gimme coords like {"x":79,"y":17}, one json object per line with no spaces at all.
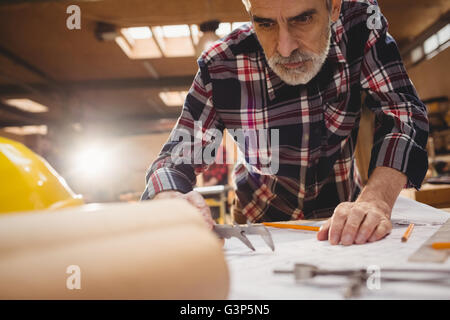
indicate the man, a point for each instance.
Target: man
{"x":301,"y":68}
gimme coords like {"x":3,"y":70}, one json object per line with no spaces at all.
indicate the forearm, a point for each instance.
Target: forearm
{"x":384,"y":186}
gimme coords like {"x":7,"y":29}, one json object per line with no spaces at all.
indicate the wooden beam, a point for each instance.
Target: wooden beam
{"x":110,"y":84}
{"x":136,"y":83}
{"x":14,"y":117}
{"x":12,"y":2}
{"x":25,"y":64}
{"x":435,"y":27}
{"x":147,"y":124}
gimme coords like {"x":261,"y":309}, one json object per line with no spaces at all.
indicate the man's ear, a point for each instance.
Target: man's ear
{"x":335,"y":9}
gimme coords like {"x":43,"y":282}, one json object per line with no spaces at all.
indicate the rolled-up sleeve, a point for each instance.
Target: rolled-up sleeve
{"x":401,"y":123}
{"x":197,"y":117}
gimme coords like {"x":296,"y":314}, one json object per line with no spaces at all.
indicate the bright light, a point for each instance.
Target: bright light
{"x":431,"y":44}
{"x":174,"y":40}
{"x":93,"y":161}
{"x":223,"y":29}
{"x":173,"y":98}
{"x":417,"y":54}
{"x":195,"y":32}
{"x":27,"y":130}
{"x":176,"y":31}
{"x":236,"y":25}
{"x":226,"y":27}
{"x":142,"y":47}
{"x":140,"y":33}
{"x":26,"y":105}
{"x":155,"y":42}
{"x":444,"y":34}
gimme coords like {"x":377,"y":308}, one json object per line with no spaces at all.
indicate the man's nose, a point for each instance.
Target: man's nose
{"x":286,"y":43}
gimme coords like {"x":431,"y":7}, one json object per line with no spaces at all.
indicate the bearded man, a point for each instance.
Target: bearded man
{"x":300,"y":69}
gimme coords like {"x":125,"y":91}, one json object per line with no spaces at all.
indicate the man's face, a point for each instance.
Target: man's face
{"x":295,"y":35}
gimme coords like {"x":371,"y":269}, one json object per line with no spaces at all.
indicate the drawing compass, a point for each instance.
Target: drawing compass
{"x":227,"y":231}
{"x":358,"y":278}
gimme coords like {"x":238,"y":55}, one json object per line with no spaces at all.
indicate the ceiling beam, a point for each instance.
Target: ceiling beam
{"x":18,"y":90}
{"x":124,"y":127}
{"x":25,"y":64}
{"x":110,"y":84}
{"x":23,"y":114}
{"x":12,"y":2}
{"x":21,"y":123}
{"x":435,"y":27}
{"x":14,"y":117}
{"x":136,"y":83}
{"x":134,"y":126}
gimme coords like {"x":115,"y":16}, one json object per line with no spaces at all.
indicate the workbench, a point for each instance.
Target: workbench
{"x":435,"y":195}
{"x":252,"y":272}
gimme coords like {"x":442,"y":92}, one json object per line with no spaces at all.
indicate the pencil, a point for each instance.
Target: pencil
{"x":441,"y":245}
{"x":290,"y":226}
{"x":408,"y":232}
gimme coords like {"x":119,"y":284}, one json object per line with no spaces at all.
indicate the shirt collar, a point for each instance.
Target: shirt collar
{"x":335,"y":53}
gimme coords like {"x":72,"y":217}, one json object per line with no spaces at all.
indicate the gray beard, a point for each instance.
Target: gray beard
{"x":306,"y":72}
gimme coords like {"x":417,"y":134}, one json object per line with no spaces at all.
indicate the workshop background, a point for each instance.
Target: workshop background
{"x":99,"y":102}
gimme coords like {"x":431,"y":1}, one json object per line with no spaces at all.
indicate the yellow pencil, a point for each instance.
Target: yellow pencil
{"x":408,"y":232}
{"x":290,"y":226}
{"x":441,"y":245}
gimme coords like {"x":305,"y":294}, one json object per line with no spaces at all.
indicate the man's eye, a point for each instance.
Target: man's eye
{"x":265,"y":25}
{"x":304,"y":19}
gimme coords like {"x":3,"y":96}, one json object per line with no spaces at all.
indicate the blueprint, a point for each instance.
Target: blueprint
{"x":252,"y":273}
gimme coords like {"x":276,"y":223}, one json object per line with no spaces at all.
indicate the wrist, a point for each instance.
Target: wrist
{"x":376,"y":202}
{"x":383,"y":187}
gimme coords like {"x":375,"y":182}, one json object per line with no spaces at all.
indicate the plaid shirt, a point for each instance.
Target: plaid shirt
{"x":318,"y":122}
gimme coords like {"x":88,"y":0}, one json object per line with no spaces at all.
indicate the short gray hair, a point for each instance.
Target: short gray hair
{"x":247,"y":5}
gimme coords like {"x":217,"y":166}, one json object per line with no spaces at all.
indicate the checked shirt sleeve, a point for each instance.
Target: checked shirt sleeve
{"x":172,"y":172}
{"x":401,"y":123}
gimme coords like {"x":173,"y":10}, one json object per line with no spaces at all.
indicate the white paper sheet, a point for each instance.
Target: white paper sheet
{"x":252,"y":275}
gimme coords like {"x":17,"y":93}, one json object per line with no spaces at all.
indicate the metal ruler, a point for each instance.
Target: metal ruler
{"x":426,"y":253}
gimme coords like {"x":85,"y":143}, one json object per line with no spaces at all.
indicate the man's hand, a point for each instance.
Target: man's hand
{"x":357,"y":222}
{"x":367,"y":219}
{"x":193,"y":198}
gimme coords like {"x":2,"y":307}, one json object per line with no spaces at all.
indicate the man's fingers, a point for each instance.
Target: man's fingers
{"x":195,"y":198}
{"x":338,"y":221}
{"x":381,"y":231}
{"x":352,"y":224}
{"x":198,"y":201}
{"x":367,"y":228}
{"x":323,"y":232}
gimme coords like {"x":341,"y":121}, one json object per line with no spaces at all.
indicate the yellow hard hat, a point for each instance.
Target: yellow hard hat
{"x":28,"y":182}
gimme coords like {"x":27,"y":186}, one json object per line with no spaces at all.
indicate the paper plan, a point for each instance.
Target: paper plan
{"x":252,"y":274}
